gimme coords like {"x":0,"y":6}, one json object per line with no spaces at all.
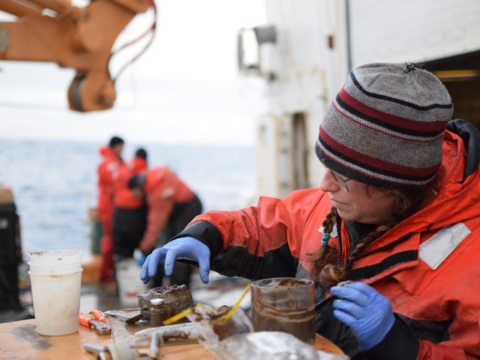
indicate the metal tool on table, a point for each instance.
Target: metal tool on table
{"x":162,"y":338}
{"x":122,"y":351}
{"x":100,"y":316}
{"x":98,"y":322}
{"x":130,"y":316}
{"x":154,"y":351}
{"x":181,"y":333}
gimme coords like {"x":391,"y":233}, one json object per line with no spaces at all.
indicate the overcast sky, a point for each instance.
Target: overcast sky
{"x":185,"y":89}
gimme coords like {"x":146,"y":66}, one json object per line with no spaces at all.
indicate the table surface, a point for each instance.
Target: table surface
{"x":19,"y":341}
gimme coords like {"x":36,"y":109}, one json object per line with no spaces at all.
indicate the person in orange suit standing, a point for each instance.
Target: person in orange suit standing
{"x":130,"y":212}
{"x":171,"y":206}
{"x":111,"y":160}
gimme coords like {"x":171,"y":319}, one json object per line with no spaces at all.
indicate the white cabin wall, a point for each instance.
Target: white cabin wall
{"x":413,"y":30}
{"x":267,"y":147}
{"x":334,"y":20}
{"x":307,"y":76}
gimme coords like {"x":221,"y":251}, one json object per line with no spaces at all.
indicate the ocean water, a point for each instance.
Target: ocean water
{"x":55,"y":184}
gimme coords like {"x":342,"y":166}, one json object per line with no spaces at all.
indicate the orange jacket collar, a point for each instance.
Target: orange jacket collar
{"x":107,"y":152}
{"x":455,"y":202}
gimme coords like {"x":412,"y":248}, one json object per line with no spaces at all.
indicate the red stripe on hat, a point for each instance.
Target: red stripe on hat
{"x":429,"y":140}
{"x":370,"y":174}
{"x":376,"y":163}
{"x":391,"y":119}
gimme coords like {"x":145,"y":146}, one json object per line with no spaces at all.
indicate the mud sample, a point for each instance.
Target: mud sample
{"x":284,"y":304}
{"x":292,"y":282}
{"x":161,"y":303}
{"x":222,"y":329}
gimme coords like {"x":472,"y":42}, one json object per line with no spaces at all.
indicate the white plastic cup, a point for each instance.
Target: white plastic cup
{"x":56,"y":280}
{"x":129,"y":283}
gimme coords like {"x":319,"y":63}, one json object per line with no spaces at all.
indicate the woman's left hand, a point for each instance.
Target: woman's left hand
{"x":367,"y":312}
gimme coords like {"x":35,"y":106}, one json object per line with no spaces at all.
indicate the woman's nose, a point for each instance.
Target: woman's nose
{"x":329,"y":183}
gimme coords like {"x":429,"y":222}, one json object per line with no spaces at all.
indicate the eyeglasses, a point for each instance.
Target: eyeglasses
{"x":341,"y":180}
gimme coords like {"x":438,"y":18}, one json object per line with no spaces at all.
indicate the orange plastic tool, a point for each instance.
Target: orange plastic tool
{"x":100,"y":327}
{"x":100,"y":316}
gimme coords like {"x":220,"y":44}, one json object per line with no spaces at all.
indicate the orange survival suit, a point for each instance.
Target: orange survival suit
{"x":163,"y":190}
{"x":428,"y":266}
{"x":123,"y":197}
{"x":130,"y":212}
{"x":110,"y":162}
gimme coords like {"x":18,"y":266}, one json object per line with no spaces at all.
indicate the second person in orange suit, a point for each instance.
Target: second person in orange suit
{"x":130,"y":212}
{"x":111,"y":160}
{"x":171,"y":205}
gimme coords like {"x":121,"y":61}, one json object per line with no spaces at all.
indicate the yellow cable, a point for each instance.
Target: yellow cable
{"x":177,"y":317}
{"x":230,"y":313}
{"x":184,"y":313}
{"x":223,"y":318}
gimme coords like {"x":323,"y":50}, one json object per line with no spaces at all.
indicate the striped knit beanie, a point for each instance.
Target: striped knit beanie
{"x":386,"y":126}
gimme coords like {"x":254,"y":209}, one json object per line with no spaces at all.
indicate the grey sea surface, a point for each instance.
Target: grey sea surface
{"x":55,"y":183}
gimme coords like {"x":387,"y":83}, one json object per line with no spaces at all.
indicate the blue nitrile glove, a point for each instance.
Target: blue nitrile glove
{"x":367,"y":312}
{"x":187,"y":247}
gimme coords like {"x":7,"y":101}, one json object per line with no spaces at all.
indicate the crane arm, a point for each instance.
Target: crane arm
{"x":78,"y":38}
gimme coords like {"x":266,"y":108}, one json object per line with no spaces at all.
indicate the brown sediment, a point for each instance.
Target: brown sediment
{"x":291,"y":282}
{"x":219,"y":312}
{"x":175,"y":299}
{"x":177,"y":335}
{"x":125,"y":333}
{"x":277,"y":307}
{"x":223,"y":329}
{"x":212,"y":315}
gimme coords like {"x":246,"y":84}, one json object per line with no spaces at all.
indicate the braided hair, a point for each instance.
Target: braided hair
{"x":406,"y":203}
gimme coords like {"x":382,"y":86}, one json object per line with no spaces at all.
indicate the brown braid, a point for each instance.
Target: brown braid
{"x":405,"y":205}
{"x":326,"y":255}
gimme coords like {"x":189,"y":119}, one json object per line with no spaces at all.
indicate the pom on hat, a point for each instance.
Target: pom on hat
{"x":386,"y":126}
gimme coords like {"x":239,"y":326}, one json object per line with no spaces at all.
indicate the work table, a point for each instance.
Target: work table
{"x":19,"y":341}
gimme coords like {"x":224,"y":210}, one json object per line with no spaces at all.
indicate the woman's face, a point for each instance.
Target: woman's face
{"x":362,"y":203}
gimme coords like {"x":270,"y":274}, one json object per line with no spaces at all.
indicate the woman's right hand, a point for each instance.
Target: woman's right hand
{"x":186,"y":247}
